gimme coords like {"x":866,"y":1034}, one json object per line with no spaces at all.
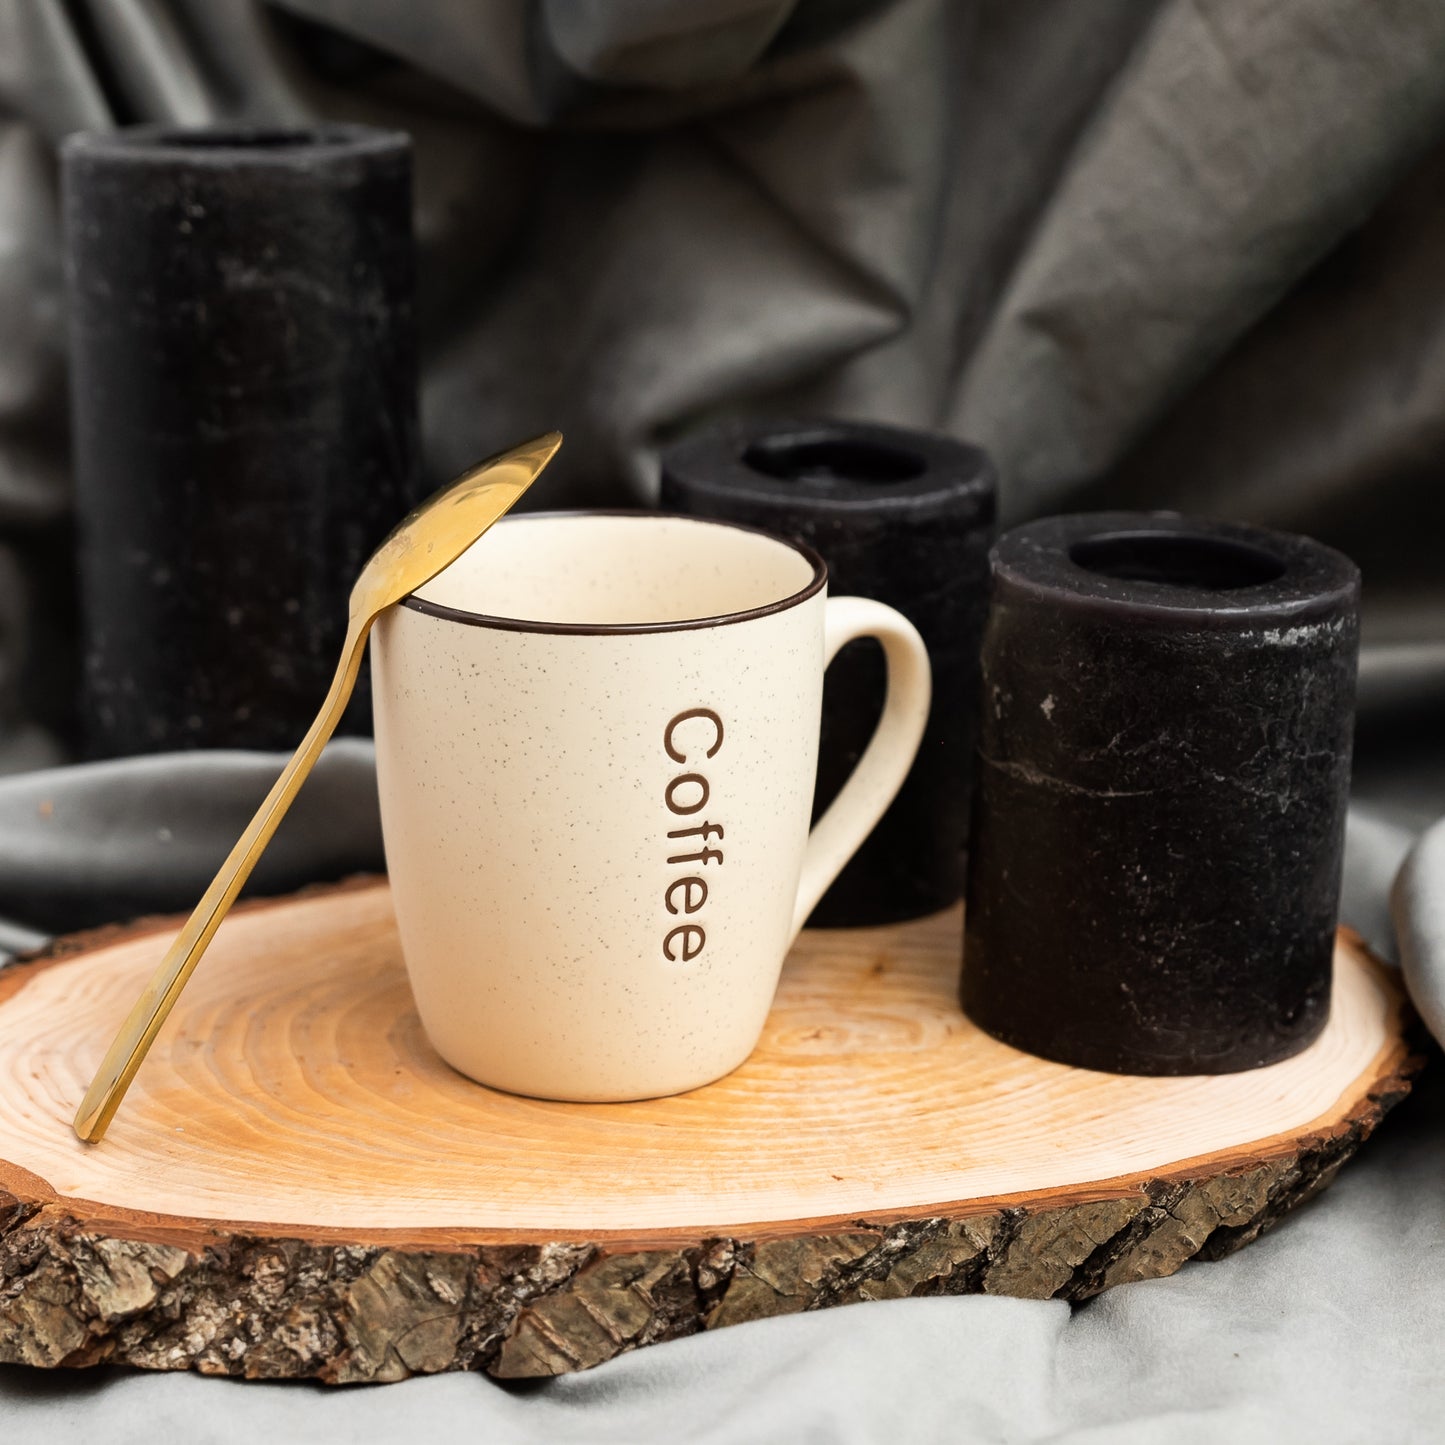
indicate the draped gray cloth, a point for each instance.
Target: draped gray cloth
{"x":1149,"y":252}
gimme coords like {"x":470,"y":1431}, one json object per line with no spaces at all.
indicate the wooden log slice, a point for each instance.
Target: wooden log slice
{"x":298,"y":1186}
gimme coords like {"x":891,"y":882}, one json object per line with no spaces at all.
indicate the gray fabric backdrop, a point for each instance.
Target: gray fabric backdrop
{"x":1149,"y":252}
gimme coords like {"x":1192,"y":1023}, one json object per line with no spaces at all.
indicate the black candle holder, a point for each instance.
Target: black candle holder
{"x":243,"y":396}
{"x":904,"y":517}
{"x":1159,"y":819}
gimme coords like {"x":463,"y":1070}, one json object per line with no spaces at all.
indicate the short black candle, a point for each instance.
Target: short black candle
{"x":243,"y":400}
{"x":1159,"y":818}
{"x":904,"y":517}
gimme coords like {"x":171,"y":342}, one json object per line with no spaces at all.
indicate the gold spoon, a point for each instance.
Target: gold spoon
{"x":431,"y":538}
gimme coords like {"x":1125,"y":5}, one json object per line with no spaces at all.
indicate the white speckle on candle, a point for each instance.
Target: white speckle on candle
{"x":1300,"y":635}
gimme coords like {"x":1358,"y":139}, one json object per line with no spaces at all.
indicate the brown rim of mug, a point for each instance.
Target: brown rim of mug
{"x":610,"y":629}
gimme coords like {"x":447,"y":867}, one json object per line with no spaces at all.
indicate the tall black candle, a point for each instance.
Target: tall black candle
{"x":244,"y":412}
{"x":1164,"y":758}
{"x":904,"y":517}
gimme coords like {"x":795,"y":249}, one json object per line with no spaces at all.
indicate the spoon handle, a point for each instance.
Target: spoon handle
{"x":143,"y":1023}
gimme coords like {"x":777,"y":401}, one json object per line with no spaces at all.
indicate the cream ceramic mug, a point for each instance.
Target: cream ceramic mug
{"x":596,"y":736}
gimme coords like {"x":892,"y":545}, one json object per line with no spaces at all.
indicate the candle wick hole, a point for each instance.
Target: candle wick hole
{"x":243,"y":139}
{"x":1177,"y":559}
{"x":823,"y":458}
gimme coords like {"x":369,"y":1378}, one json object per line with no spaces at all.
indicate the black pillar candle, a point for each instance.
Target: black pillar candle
{"x":1164,"y":759}
{"x":243,"y":397}
{"x":904,"y":517}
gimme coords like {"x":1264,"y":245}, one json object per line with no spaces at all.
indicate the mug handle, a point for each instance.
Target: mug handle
{"x":875,"y":782}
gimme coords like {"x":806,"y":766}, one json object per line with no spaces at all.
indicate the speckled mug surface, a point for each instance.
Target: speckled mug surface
{"x":596,"y":740}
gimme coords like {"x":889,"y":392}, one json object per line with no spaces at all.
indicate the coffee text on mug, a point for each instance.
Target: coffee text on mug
{"x":690,"y":738}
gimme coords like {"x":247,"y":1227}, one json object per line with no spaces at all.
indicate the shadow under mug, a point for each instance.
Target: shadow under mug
{"x":596,"y":740}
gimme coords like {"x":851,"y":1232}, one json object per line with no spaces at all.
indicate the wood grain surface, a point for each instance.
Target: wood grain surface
{"x":298,"y":1186}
